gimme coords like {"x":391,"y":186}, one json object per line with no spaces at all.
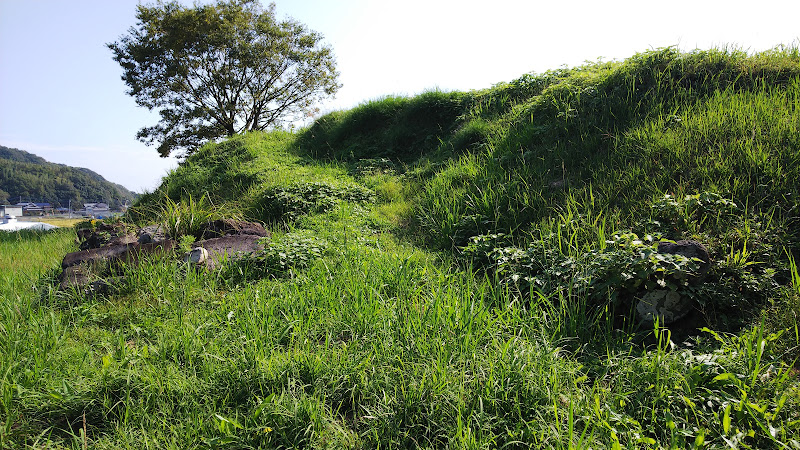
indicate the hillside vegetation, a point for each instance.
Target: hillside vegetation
{"x":33,"y":178}
{"x":453,"y":270}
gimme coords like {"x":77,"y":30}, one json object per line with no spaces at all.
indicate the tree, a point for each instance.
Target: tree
{"x":220,"y":69}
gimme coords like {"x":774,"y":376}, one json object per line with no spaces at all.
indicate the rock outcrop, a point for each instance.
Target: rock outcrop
{"x":107,"y":247}
{"x":151,"y":233}
{"x":670,"y":305}
{"x":218,"y":250}
{"x":689,"y":249}
{"x":87,"y":266}
{"x":226,"y":227}
{"x":103,"y":234}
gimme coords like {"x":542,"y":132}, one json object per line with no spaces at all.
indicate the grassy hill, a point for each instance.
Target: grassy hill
{"x":453,"y":270}
{"x":33,"y":178}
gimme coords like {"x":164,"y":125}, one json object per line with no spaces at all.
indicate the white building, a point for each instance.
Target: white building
{"x":12,"y":210}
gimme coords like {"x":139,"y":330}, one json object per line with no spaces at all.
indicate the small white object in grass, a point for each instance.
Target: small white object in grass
{"x":196,"y":255}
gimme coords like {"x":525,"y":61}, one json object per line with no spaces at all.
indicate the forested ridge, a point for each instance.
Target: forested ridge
{"x":29,"y":177}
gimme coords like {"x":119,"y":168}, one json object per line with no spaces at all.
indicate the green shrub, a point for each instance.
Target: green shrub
{"x":626,"y":265}
{"x":700,"y":209}
{"x":183,"y":217}
{"x":293,"y":201}
{"x":282,"y":256}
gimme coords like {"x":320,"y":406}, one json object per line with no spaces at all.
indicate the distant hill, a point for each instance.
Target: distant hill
{"x":33,"y":178}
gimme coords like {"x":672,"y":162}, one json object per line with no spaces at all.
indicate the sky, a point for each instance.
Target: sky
{"x":62,"y":98}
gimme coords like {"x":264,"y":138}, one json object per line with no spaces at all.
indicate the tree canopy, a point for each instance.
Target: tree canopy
{"x":221,"y":69}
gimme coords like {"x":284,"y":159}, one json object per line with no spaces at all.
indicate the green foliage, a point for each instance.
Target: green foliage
{"x":660,"y":122}
{"x":184,"y":217}
{"x":677,"y":216}
{"x":223,"y":169}
{"x":372,"y":346}
{"x":185,"y":243}
{"x":291,"y":252}
{"x":624,"y":266}
{"x":290,"y":202}
{"x":374,"y":166}
{"x":577,"y":262}
{"x":794,"y":274}
{"x":90,"y":224}
{"x":397,"y":128}
{"x":239,"y":173}
{"x":342,"y":334}
{"x":471,"y":136}
{"x":221,"y":69}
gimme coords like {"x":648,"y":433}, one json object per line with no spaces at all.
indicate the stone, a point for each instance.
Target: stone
{"x":224,"y":227}
{"x":95,"y":254}
{"x":196,"y":256}
{"x":229,"y":247}
{"x":74,"y":276}
{"x":92,"y":268}
{"x":82,"y":267}
{"x":104,"y":234}
{"x":137,"y":251}
{"x":123,"y":240}
{"x":668,"y":305}
{"x":151,"y":233}
{"x":689,"y":249}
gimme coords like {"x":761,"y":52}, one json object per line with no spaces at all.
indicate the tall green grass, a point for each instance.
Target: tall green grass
{"x":404,"y":129}
{"x":660,"y":122}
{"x":376,"y":345}
{"x":372,"y":340}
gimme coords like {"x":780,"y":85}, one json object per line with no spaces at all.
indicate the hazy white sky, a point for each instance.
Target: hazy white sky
{"x":61,"y":96}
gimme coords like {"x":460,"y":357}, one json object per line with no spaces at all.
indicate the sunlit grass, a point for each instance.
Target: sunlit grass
{"x":382,"y":334}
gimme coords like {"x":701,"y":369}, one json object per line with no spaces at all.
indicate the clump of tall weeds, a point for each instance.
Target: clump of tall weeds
{"x":183,"y":217}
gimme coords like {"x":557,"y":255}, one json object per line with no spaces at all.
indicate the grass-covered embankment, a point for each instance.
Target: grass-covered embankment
{"x":454,"y":270}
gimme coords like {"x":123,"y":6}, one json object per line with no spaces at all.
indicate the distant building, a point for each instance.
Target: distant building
{"x":10,"y":210}
{"x":96,"y":209}
{"x":96,"y":206}
{"x":35,"y":209}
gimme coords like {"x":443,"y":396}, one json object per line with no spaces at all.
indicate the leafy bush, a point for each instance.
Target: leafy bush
{"x":675,"y":215}
{"x":626,"y":265}
{"x":291,"y":252}
{"x":291,"y":202}
{"x":747,"y":264}
{"x":186,"y":217}
{"x":183,"y":217}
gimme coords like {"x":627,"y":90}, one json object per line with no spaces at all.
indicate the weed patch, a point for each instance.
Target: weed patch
{"x":291,"y":202}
